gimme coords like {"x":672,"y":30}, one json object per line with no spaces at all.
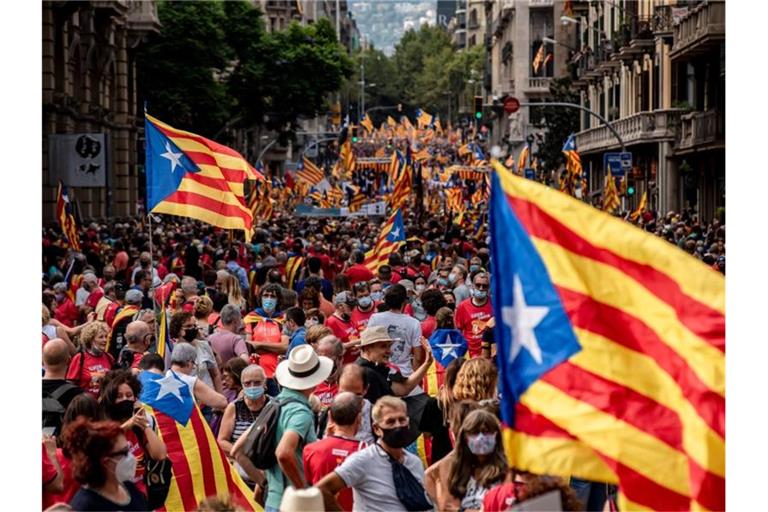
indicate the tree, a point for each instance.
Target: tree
{"x":177,"y":70}
{"x":559,"y":123}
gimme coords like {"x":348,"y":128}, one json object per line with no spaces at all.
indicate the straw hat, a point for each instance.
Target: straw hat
{"x":302,"y":500}
{"x":374,"y":334}
{"x":303,"y":369}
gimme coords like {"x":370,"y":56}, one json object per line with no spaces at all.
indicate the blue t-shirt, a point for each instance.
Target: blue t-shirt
{"x":299,"y":337}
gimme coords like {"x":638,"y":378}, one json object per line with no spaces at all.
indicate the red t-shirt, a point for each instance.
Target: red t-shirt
{"x":138,"y":452}
{"x":111,"y":312}
{"x":67,"y":313}
{"x":472,"y":321}
{"x":324,"y":456}
{"x":326,"y":392}
{"x":428,"y":326}
{"x":94,"y":297}
{"x":500,"y":498}
{"x":70,"y":484}
{"x":49,"y":470}
{"x":360,"y":318}
{"x":266,"y":331}
{"x":357,"y":273}
{"x":93,"y":370}
{"x":344,"y":331}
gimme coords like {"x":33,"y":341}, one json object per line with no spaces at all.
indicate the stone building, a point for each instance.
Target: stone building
{"x":89,"y":86}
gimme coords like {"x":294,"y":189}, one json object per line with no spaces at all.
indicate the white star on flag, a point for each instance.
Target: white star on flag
{"x":174,"y":158}
{"x":395,"y":233}
{"x":448,"y":348}
{"x":170,"y":385}
{"x":523,"y":319}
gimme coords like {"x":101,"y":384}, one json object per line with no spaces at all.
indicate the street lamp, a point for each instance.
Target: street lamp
{"x":554,"y":41}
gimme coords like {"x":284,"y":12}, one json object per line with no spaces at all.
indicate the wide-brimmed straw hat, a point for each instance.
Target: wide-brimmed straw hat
{"x":303,"y":369}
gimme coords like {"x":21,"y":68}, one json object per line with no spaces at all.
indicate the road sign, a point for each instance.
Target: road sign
{"x":530,"y":173}
{"x":618,"y":163}
{"x":511,"y":105}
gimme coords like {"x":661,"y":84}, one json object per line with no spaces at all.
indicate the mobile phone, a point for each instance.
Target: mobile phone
{"x":48,"y":431}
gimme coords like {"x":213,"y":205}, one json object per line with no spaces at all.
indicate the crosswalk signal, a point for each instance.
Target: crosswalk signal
{"x":478,"y":107}
{"x":354,"y":134}
{"x":630,"y":191}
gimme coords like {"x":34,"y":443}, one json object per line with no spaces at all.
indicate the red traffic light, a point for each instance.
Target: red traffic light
{"x":511,"y":105}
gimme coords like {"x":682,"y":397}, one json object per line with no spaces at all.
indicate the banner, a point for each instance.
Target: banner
{"x":78,"y":160}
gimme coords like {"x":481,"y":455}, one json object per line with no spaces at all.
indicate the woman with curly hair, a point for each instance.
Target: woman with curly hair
{"x":475,"y":465}
{"x":476,"y":381}
{"x":103,"y":464}
{"x":88,"y":367}
{"x":119,"y":400}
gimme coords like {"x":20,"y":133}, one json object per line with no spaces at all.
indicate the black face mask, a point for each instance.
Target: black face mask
{"x":121,"y":410}
{"x":398,"y":437}
{"x":190,"y":334}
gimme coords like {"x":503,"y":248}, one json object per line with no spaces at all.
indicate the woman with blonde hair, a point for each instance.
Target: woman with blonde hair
{"x":88,"y":367}
{"x":477,"y":463}
{"x":202,"y":310}
{"x":231,"y":287}
{"x":476,"y":381}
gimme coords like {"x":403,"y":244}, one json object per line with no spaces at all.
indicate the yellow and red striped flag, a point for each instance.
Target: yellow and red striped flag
{"x":522,"y":160}
{"x":191,"y":176}
{"x":538,"y":59}
{"x":403,"y":186}
{"x":66,"y":218}
{"x":640,"y":207}
{"x":310,"y":173}
{"x":200,"y":466}
{"x":367,"y":123}
{"x":391,"y":238}
{"x":611,"y":199}
{"x":454,"y":199}
{"x":611,"y":351}
{"x":391,"y":122}
{"x":292,"y":267}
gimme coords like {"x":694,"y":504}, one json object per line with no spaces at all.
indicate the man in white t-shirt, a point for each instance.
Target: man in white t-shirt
{"x":369,"y":471}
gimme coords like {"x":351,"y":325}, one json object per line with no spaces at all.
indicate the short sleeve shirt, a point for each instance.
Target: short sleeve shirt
{"x":89,"y":375}
{"x":406,"y":331}
{"x":472,"y":320}
{"x":298,"y":418}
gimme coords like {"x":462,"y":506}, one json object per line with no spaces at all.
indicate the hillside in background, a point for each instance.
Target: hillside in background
{"x":383,"y":23}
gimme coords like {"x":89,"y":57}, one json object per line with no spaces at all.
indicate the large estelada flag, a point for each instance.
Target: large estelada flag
{"x":191,"y":176}
{"x":66,"y":218}
{"x":200,"y":467}
{"x":611,"y":350}
{"x":392,"y":236}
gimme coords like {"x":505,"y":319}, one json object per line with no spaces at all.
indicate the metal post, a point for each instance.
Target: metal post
{"x":151,"y":251}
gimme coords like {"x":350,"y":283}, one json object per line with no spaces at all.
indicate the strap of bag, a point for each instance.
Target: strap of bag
{"x":61,"y":390}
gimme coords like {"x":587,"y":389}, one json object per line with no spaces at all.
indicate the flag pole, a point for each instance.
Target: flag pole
{"x":149,"y":214}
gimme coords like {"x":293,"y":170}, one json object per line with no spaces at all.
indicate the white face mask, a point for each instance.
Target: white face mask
{"x":126,"y":469}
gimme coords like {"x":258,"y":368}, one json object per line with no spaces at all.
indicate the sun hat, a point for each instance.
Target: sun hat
{"x":303,"y":369}
{"x":302,"y":500}
{"x":374,"y":334}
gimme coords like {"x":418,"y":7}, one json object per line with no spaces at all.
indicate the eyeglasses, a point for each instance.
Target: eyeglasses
{"x":481,"y":286}
{"x":119,"y":454}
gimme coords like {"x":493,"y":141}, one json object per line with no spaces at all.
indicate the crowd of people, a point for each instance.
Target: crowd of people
{"x":375,"y":412}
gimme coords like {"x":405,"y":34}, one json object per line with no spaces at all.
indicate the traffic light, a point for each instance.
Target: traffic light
{"x":354,"y":134}
{"x":478,"y":107}
{"x":630,"y":190}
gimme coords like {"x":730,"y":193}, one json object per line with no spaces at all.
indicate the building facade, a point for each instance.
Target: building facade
{"x":515,"y":36}
{"x":89,"y":87}
{"x":655,"y":70}
{"x":446,"y":10}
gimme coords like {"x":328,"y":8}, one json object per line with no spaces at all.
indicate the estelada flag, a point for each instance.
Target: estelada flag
{"x":610,"y":348}
{"x":191,"y":176}
{"x":200,"y":467}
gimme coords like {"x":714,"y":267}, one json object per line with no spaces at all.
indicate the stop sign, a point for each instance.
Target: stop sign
{"x":511,"y":105}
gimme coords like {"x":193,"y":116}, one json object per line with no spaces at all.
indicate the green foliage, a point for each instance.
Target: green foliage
{"x":213,"y":63}
{"x":559,"y":124}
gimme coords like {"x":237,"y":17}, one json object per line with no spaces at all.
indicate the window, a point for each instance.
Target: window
{"x":541,"y":25}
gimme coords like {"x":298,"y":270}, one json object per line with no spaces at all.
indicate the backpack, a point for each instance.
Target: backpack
{"x":157,"y":475}
{"x":261,"y":444}
{"x":53,"y":410}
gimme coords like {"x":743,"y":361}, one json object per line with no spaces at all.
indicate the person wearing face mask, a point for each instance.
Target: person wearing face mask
{"x":476,"y":464}
{"x":263,"y":327}
{"x":475,"y":264}
{"x":138,"y":339}
{"x":322,"y":457}
{"x":473,"y":314}
{"x":118,"y":401}
{"x":377,"y":291}
{"x":183,"y":328}
{"x":365,"y":306}
{"x":88,"y":367}
{"x":103,"y":464}
{"x":450,"y":300}
{"x":66,"y":311}
{"x":457,"y":278}
{"x":373,"y":471}
{"x":239,"y":416}
{"x":342,"y":327}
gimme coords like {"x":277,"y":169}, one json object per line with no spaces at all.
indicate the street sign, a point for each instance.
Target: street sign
{"x":618,"y":163}
{"x":530,"y":173}
{"x":511,"y":105}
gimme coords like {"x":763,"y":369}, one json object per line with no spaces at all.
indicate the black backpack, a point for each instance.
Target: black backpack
{"x":261,"y":444}
{"x":157,"y":475}
{"x":53,"y":410}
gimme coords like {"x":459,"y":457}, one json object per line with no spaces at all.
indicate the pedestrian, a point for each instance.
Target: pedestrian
{"x":228,"y":342}
{"x":263,"y":328}
{"x":103,"y":464}
{"x":342,"y":327}
{"x":473,"y":314}
{"x":432,"y":300}
{"x":322,"y":457}
{"x":57,"y":392}
{"x":294,"y":327}
{"x":184,"y":367}
{"x":88,"y":367}
{"x":202,"y":311}
{"x":231,"y":378}
{"x":476,"y":381}
{"x":138,"y":338}
{"x":238,"y":418}
{"x":383,"y":476}
{"x":364,"y":309}
{"x":476,"y":464}
{"x":358,"y":272}
{"x":298,"y":375}
{"x":184,"y":329}
{"x":435,"y":418}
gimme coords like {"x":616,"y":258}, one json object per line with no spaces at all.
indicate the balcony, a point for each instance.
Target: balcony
{"x":701,"y":29}
{"x":142,"y":18}
{"x":699,"y":130}
{"x":538,"y":85}
{"x":659,"y":125}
